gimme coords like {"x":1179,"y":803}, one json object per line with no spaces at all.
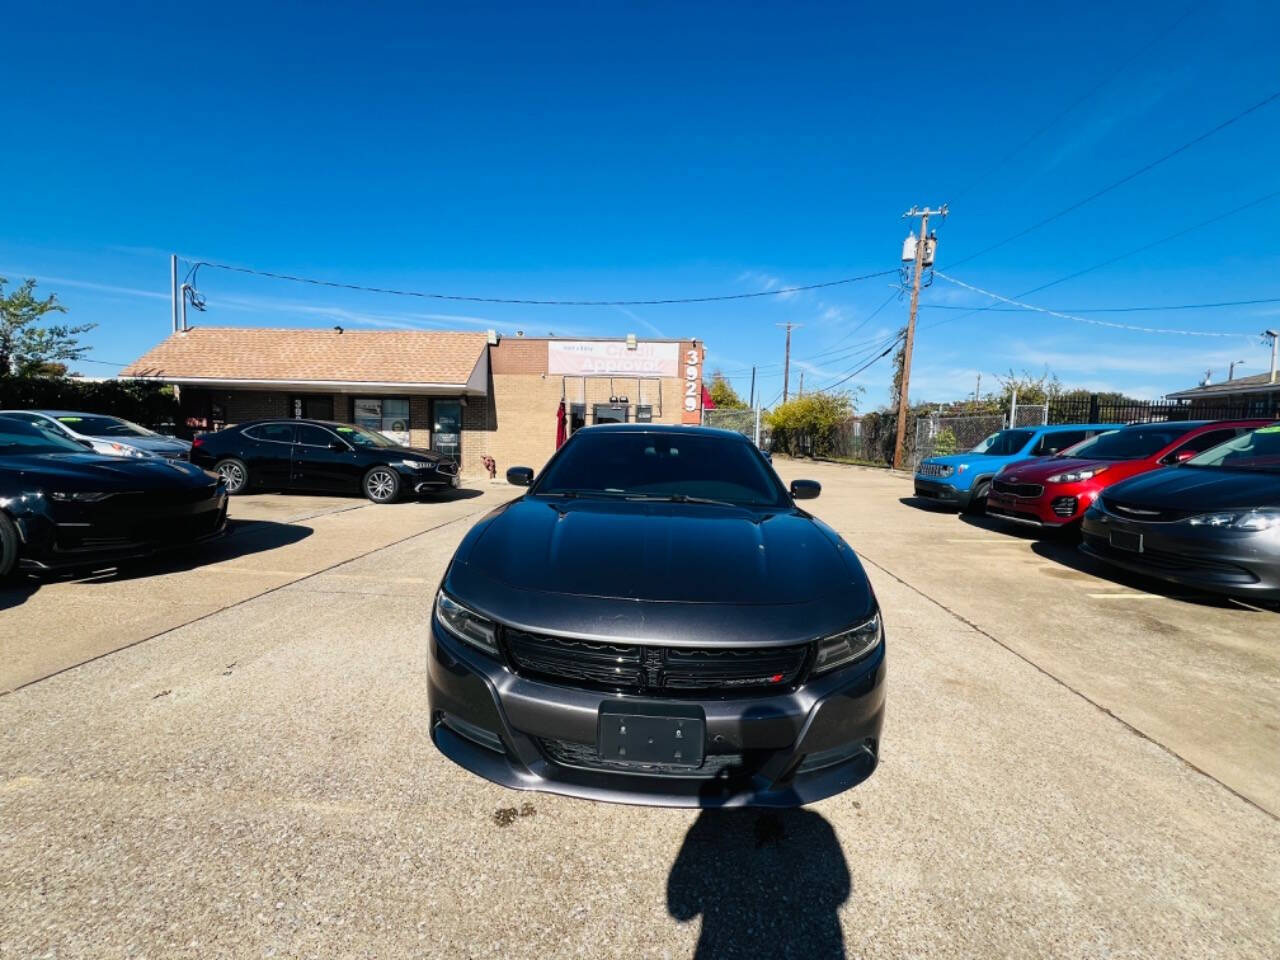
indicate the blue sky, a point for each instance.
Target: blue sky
{"x":601,"y":150}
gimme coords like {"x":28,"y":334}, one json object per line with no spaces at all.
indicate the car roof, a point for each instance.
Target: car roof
{"x":62,"y":413}
{"x":675,"y":428}
{"x":314,"y":423}
{"x":1058,"y":427}
{"x":1251,"y":422}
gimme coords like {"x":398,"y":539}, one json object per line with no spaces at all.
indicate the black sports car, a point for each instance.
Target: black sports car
{"x":1212,"y":523}
{"x":62,"y":506}
{"x":319,"y":456}
{"x":656,"y":621}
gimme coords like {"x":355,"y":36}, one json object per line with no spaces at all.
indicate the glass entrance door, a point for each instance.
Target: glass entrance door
{"x":446,"y":428}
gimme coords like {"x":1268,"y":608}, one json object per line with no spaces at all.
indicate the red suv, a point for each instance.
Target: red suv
{"x":1056,"y":491}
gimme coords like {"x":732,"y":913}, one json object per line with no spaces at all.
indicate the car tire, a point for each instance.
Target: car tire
{"x":234,"y":473}
{"x":978,"y":501}
{"x":381,"y":485}
{"x":8,"y":546}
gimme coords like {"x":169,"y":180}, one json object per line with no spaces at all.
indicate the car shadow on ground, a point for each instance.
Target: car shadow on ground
{"x":243,"y":538}
{"x":454,"y":493}
{"x":766,"y":883}
{"x":924,"y":503}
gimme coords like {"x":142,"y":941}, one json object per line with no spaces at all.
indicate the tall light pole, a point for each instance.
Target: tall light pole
{"x":1231,"y":370}
{"x":1275,"y":337}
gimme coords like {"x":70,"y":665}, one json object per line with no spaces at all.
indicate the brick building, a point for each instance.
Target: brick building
{"x":461,"y":393}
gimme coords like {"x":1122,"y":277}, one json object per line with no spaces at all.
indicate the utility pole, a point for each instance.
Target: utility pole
{"x":1275,"y":338}
{"x":173,"y":287}
{"x":752,"y":403}
{"x":924,"y":254}
{"x":786,"y":363}
{"x":802,"y":383}
{"x":977,"y":391}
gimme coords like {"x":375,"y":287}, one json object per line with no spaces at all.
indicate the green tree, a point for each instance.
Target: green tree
{"x":811,"y":424}
{"x":723,"y":395}
{"x":29,"y":346}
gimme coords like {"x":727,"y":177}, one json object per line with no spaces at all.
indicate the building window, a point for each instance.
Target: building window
{"x":387,"y":415}
{"x":577,"y":416}
{"x":644,"y":413}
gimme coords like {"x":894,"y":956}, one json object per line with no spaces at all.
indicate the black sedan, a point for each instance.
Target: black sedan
{"x":319,"y":456}
{"x":61,"y":506}
{"x":657,"y":621}
{"x":1212,"y":523}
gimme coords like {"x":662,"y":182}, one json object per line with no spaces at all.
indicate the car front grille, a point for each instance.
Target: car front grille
{"x":447,"y":467}
{"x":1065,"y":506}
{"x":1173,"y":562}
{"x":568,"y":753}
{"x":1142,"y":514}
{"x":934,"y":470}
{"x":644,"y":669}
{"x":1026,"y":490}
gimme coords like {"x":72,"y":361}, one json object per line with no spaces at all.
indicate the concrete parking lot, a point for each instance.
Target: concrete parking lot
{"x":226,"y":755}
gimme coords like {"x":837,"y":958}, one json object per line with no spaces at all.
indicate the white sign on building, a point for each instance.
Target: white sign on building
{"x":588,"y":358}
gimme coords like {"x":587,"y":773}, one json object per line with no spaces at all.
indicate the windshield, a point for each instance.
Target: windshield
{"x":360,"y":437}
{"x":90,"y":425}
{"x":1259,"y":450}
{"x":1130,"y":443}
{"x":1003,"y":444}
{"x":20,"y":439}
{"x":661,"y":465}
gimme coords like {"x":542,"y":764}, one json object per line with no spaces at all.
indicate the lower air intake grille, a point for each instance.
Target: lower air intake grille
{"x":584,"y":756}
{"x":1065,"y":506}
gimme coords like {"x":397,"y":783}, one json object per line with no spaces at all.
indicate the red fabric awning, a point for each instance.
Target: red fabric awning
{"x":707,"y":402}
{"x":560,"y":426}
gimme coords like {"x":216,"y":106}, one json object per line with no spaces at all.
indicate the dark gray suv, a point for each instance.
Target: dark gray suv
{"x":656,"y":621}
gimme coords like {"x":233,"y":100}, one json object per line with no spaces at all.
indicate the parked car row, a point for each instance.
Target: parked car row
{"x":1196,"y":503}
{"x":82,"y":488}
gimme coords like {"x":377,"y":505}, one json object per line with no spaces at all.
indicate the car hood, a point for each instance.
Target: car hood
{"x":1192,"y":489}
{"x":158,"y":445}
{"x":662,"y":552}
{"x":1039,"y":468}
{"x":956,"y":459}
{"x":89,"y":471}
{"x":416,"y":453}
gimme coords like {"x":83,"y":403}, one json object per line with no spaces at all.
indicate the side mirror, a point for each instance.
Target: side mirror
{"x":805,"y":489}
{"x":520,"y":476}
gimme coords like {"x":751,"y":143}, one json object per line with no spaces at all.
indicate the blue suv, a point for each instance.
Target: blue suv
{"x":961,"y":480}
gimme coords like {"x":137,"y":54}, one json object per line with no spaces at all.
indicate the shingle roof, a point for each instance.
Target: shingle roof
{"x":291,"y":355}
{"x":1259,"y":381}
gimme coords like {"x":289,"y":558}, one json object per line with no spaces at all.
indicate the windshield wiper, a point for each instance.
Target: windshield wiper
{"x":681,"y":498}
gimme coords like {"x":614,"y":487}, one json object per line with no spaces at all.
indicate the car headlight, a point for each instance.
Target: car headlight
{"x":77,"y":496}
{"x":843,"y":648}
{"x":417,"y":464}
{"x":124,"y":450}
{"x":1075,"y":476}
{"x":1254,"y":520}
{"x":465,"y":624}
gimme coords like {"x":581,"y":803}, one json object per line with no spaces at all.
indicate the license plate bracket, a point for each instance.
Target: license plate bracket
{"x":662,"y":733}
{"x":1126,"y":540}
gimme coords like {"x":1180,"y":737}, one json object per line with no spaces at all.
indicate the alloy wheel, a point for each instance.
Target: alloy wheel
{"x":380,"y":485}
{"x":233,"y":475}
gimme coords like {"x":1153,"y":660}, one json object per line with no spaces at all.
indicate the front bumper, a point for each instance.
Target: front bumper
{"x":1051,"y":509}
{"x":782,"y":750}
{"x":51,"y":545}
{"x":940,"y":492}
{"x":1232,"y":562}
{"x":432,"y":480}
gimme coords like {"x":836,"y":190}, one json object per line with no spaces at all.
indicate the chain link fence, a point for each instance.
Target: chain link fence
{"x":739,"y":421}
{"x":1030,"y":415}
{"x":937,"y":436}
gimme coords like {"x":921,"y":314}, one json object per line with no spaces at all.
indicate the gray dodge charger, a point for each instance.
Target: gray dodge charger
{"x":656,"y":621}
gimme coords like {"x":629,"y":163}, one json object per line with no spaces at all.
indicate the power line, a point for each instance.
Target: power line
{"x":194,"y":271}
{"x":1146,"y":168}
{"x":869,"y":363}
{"x":1110,"y":260}
{"x":1175,"y":306}
{"x":1089,"y":320}
{"x":1079,"y":100}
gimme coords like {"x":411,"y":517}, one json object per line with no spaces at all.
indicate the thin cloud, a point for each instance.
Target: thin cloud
{"x":87,"y":285}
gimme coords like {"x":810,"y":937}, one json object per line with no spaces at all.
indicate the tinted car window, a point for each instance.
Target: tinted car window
{"x":360,"y":437}
{"x":313,"y":436}
{"x":1130,"y":443}
{"x":1051,"y":443}
{"x":275,"y":432}
{"x":1259,"y":450}
{"x":1004,"y":444}
{"x":98,"y":426}
{"x":660,"y":465}
{"x":1203,"y":441}
{"x":21,"y":439}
